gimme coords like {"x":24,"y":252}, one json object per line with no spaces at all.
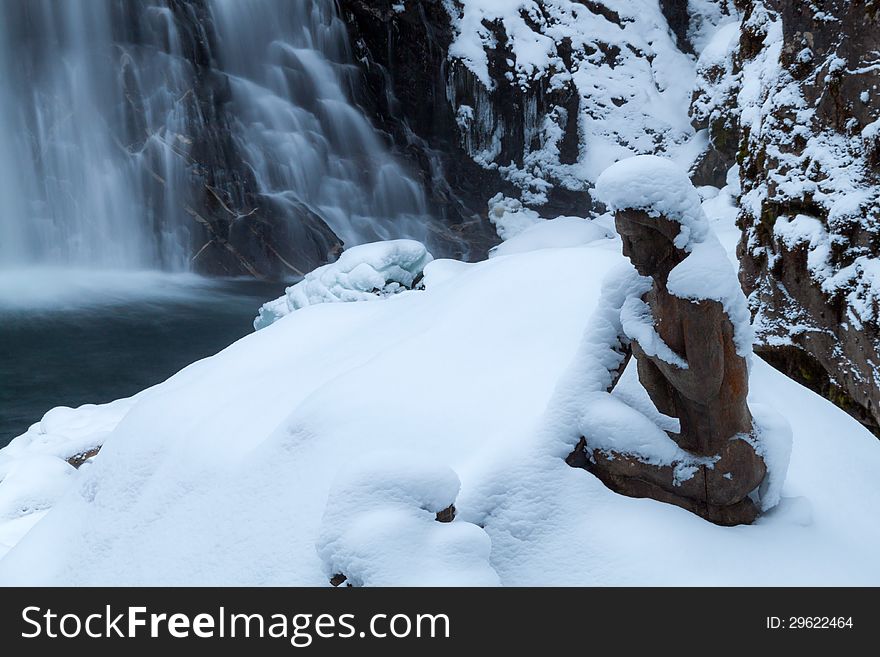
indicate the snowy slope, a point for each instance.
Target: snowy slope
{"x":270,"y":462}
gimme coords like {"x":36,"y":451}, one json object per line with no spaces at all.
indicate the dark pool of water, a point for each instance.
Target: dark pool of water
{"x":104,"y":347}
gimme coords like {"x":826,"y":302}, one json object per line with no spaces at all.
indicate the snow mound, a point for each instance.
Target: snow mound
{"x":224,"y":474}
{"x":33,"y":483}
{"x":510,"y":217}
{"x":659,"y":187}
{"x":65,"y":432}
{"x":362,"y":273}
{"x":380,"y":527}
{"x":559,"y":233}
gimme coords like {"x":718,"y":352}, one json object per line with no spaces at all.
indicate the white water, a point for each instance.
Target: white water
{"x":76,"y":182}
{"x":308,"y":146}
{"x":96,"y":126}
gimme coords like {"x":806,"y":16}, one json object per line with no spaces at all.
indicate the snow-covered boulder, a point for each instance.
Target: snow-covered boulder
{"x":523,"y":229}
{"x":381,"y":527}
{"x":510,"y":217}
{"x":364,"y":272}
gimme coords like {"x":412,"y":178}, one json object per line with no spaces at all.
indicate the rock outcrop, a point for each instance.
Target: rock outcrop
{"x":799,"y":96}
{"x":529,"y":99}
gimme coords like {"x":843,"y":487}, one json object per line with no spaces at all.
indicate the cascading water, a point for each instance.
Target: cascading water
{"x":79,"y":178}
{"x":103,"y":116}
{"x":307,"y":145}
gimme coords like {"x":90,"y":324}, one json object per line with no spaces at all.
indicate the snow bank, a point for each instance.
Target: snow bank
{"x":66,"y":432}
{"x":522,"y":229}
{"x":559,"y":233}
{"x":380,"y":527}
{"x":33,"y":483}
{"x":362,"y":273}
{"x":235,"y":470}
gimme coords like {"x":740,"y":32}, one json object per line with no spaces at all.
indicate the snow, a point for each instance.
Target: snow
{"x":717,"y":49}
{"x":615,"y":427}
{"x":631,"y":82}
{"x":808,"y":159}
{"x":362,"y":273}
{"x":380,"y":527}
{"x":559,"y":233}
{"x":33,"y":483}
{"x":707,"y":19}
{"x":510,"y":217}
{"x":639,"y":325}
{"x":269,"y":462}
{"x":522,"y":229}
{"x":708,"y":274}
{"x":721,"y":210}
{"x":658,"y":186}
{"x":65,"y":432}
{"x":809,"y":231}
{"x":774,"y":444}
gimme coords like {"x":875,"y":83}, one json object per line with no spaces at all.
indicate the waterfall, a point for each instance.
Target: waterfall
{"x":289,"y":66}
{"x":79,"y":178}
{"x":106,"y":110}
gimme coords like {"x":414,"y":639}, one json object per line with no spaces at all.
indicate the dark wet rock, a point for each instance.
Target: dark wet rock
{"x":338,"y":580}
{"x":403,"y":61}
{"x":811,"y":194}
{"x":678,"y":17}
{"x":447,"y":514}
{"x":77,"y":460}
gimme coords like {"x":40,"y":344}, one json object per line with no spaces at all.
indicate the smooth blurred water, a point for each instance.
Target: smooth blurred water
{"x":100,"y":131}
{"x":95,"y":339}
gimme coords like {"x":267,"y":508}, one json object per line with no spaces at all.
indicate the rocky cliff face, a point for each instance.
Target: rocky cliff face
{"x":797,"y":94}
{"x":529,"y":99}
{"x":533,"y":100}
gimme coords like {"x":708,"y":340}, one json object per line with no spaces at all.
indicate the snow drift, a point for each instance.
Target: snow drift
{"x":262,"y":464}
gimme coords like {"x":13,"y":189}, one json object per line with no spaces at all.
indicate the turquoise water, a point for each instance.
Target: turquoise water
{"x":95,"y":341}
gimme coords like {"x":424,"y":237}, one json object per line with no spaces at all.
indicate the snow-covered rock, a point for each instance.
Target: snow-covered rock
{"x":380,"y":527}
{"x":361,"y":273}
{"x":522,"y":229}
{"x":593,"y":83}
{"x":510,"y":217}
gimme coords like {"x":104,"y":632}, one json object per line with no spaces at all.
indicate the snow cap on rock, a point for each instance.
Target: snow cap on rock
{"x":659,"y":187}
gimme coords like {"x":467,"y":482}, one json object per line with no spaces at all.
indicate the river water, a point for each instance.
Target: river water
{"x":91,"y":338}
